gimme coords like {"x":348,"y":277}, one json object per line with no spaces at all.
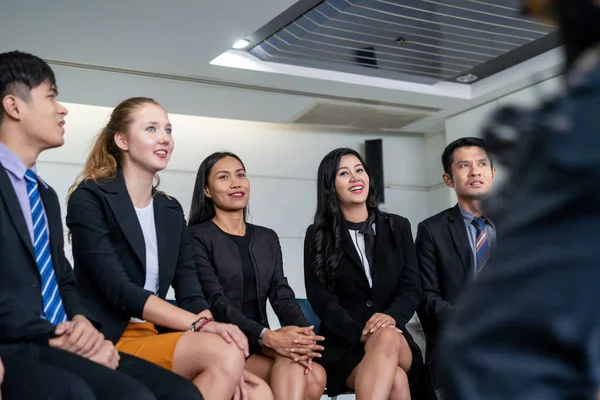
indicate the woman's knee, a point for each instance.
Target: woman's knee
{"x":317,"y":379}
{"x":228,"y":357}
{"x":198,"y":352}
{"x":260,"y":392}
{"x":387,"y":339}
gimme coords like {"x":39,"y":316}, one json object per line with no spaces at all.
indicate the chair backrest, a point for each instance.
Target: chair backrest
{"x":309,"y":313}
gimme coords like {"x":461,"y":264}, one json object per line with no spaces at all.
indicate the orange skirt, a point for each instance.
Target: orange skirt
{"x":142,"y":340}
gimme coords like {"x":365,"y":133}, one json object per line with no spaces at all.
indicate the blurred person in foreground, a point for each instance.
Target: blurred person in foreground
{"x":530,"y":329}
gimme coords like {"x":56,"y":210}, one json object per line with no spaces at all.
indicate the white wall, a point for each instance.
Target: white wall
{"x":438,"y":194}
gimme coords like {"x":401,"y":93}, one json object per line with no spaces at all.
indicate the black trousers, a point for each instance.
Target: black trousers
{"x":40,"y":372}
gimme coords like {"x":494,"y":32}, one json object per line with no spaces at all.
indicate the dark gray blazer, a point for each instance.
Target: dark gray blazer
{"x":219,"y":269}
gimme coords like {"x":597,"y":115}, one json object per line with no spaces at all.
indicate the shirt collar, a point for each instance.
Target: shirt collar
{"x":13,"y":164}
{"x":470,"y":217}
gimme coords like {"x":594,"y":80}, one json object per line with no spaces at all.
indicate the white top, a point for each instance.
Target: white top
{"x":359,"y":242}
{"x":146,"y":219}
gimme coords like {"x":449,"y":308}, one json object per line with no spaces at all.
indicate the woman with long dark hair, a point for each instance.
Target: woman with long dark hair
{"x":362,"y":281}
{"x":530,"y":328}
{"x":240,"y":266}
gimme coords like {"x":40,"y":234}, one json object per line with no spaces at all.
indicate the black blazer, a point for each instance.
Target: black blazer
{"x":110,"y":256}
{"x":396,"y":287}
{"x":220,"y":272}
{"x":446,"y":264}
{"x":20,"y":281}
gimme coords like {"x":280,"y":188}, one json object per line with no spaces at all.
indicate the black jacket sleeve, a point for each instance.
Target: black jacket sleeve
{"x":222,"y":309}
{"x":91,"y":242}
{"x":188,"y":290}
{"x":282,"y":296}
{"x":19,"y":324}
{"x":64,"y":273}
{"x":326,"y":304}
{"x":435,"y":307}
{"x":408,"y":292}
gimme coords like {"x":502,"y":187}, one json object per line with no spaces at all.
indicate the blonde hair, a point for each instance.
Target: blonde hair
{"x":106,"y":157}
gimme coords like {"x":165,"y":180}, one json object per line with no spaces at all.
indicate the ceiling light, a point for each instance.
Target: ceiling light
{"x":467,"y":78}
{"x":241,"y":44}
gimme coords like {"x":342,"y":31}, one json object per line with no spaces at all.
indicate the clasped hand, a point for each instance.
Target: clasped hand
{"x":79,"y":336}
{"x":296,"y":343}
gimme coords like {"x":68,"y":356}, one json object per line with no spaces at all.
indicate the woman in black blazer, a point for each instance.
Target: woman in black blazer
{"x":130,"y":243}
{"x":362,"y":281}
{"x":240,"y":265}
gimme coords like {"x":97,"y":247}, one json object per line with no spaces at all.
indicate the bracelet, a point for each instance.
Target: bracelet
{"x":200,"y":323}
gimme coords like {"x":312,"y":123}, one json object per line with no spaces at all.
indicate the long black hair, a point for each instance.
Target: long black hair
{"x":202,"y":208}
{"x":327,"y":236}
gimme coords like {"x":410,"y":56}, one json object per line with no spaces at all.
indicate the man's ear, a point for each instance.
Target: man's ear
{"x":12,"y":106}
{"x":447,"y":178}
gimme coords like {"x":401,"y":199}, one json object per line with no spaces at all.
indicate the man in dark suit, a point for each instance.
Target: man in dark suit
{"x":453,"y":245}
{"x":48,"y":341}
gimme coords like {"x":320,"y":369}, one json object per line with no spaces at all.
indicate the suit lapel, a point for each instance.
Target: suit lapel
{"x":458,"y":232}
{"x":15,"y":212}
{"x":167,"y":219}
{"x":350,"y":250}
{"x":382,"y":229}
{"x":120,"y":203}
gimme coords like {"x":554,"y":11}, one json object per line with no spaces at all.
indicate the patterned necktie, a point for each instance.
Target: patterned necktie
{"x":53,"y":306}
{"x":482,"y":243}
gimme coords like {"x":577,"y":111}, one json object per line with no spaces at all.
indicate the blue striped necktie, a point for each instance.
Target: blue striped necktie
{"x":53,"y":306}
{"x":482,"y":243}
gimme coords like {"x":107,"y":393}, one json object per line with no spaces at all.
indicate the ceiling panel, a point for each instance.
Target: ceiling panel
{"x":424,"y":41}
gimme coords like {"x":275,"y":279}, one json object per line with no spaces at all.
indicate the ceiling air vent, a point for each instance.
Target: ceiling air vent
{"x":363,"y":117}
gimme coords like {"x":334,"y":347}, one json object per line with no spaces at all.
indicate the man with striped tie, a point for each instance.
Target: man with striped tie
{"x":48,"y":342}
{"x":454,"y":245}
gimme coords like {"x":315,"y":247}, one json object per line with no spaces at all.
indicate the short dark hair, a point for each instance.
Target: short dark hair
{"x":19,"y":70}
{"x":448,"y":154}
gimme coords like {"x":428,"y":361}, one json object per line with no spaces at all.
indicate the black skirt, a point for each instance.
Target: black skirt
{"x":419,"y":378}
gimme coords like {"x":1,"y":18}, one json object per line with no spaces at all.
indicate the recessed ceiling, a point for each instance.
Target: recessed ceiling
{"x":363,"y":116}
{"x":423,"y":41}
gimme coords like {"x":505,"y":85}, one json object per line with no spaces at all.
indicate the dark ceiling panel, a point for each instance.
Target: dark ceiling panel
{"x":424,"y":41}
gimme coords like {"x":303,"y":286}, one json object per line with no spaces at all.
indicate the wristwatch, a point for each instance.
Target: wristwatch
{"x":261,"y":335}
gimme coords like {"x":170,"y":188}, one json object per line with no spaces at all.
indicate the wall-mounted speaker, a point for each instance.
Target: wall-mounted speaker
{"x":374,"y":160}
